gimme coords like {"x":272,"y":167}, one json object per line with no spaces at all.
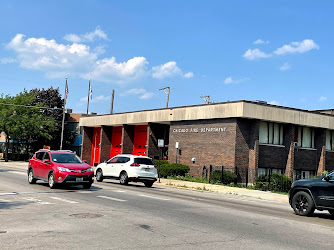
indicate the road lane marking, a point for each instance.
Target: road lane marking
{"x":153,"y":197}
{"x":3,"y":200}
{"x":2,"y":194}
{"x":119,"y":191}
{"x":64,"y":200}
{"x":37,"y":201}
{"x":85,"y":192}
{"x":110,"y":198}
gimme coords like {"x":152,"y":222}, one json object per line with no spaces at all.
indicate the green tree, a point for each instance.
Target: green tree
{"x":21,"y":121}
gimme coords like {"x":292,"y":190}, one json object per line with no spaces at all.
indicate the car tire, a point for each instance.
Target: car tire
{"x":52,"y":181}
{"x":303,"y":204}
{"x":148,"y":183}
{"x":87,"y":185}
{"x":123,"y":178}
{"x":99,"y":175}
{"x":331,"y":211}
{"x":31,"y":178}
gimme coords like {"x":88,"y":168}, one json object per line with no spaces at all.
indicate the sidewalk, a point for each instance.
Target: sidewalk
{"x":264,"y":195}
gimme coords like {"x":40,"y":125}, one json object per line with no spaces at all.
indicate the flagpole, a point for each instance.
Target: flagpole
{"x":63,"y":122}
{"x":88,"y":96}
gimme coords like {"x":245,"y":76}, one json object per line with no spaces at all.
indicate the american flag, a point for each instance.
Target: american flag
{"x":90,"y":91}
{"x":66,"y":89}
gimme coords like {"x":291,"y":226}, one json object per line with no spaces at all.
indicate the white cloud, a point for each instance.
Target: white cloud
{"x":229,"y":80}
{"x":188,"y":75}
{"x":96,"y":99}
{"x":108,"y":70}
{"x":87,"y":37}
{"x":260,"y":41}
{"x":285,"y":66}
{"x":297,"y":47}
{"x":7,"y":60}
{"x":57,"y":60}
{"x":322,"y":99}
{"x":143,"y":94}
{"x":77,"y":60}
{"x":253,"y":54}
{"x":274,"y":102}
{"x":169,"y":69}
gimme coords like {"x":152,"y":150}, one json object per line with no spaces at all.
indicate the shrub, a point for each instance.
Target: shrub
{"x":162,"y":162}
{"x":274,"y":182}
{"x":173,"y":170}
{"x":228,"y":177}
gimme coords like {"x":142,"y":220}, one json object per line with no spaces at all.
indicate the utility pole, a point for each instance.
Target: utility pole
{"x":167,"y":93}
{"x":206,"y":99}
{"x":112,"y":102}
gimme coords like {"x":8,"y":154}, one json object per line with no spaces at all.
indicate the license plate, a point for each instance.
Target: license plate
{"x":79,"y":179}
{"x":147,"y":169}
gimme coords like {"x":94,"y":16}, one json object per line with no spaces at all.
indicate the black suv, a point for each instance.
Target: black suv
{"x":309,"y":194}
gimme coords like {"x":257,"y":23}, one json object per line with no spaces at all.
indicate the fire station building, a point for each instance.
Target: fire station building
{"x":253,"y":136}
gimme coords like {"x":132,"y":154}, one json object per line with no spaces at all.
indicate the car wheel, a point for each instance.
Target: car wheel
{"x":52,"y":182}
{"x":123,"y":178}
{"x":31,"y":178}
{"x":87,"y":185}
{"x":148,"y":183}
{"x":302,"y":204}
{"x":99,"y":175}
{"x":331,"y":211}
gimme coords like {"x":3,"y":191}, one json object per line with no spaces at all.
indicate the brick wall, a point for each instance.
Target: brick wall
{"x":87,"y":141}
{"x":127,"y":139}
{"x":106,"y":133}
{"x":329,"y":160}
{"x":209,"y":148}
{"x":156,"y":131}
{"x":272,"y":157}
{"x":305,"y":159}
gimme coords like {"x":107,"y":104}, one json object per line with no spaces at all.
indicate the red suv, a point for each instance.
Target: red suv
{"x":59,"y":166}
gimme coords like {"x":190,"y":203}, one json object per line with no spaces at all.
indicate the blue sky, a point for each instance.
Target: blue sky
{"x":276,"y":51}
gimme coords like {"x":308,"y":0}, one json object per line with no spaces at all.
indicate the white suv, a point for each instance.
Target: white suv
{"x":128,"y":168}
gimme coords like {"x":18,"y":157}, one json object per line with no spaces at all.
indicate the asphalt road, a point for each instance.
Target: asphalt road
{"x":111,"y":216}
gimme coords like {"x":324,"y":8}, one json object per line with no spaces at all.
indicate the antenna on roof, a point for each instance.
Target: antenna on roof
{"x":206,"y":99}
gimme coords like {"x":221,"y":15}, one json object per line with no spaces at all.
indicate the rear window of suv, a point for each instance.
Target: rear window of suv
{"x":144,"y":161}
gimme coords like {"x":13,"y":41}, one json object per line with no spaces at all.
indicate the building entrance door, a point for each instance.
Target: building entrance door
{"x":140,"y":140}
{"x":95,"y":157}
{"x":116,"y":140}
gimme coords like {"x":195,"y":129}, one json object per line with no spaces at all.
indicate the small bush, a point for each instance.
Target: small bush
{"x":275,"y":182}
{"x":173,"y":170}
{"x":162,"y":162}
{"x":228,"y":177}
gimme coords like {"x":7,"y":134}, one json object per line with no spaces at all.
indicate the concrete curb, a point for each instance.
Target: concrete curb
{"x":263,"y":195}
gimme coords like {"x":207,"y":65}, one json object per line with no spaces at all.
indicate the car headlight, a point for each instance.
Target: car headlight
{"x":63,"y":169}
{"x":89,"y":169}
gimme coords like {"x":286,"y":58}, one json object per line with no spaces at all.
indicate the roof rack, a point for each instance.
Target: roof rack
{"x":64,"y":150}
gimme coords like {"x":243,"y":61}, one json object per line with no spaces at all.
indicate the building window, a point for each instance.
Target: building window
{"x":330,"y":140}
{"x":269,"y":171}
{"x":300,"y":174}
{"x":305,"y":137}
{"x":271,"y":133}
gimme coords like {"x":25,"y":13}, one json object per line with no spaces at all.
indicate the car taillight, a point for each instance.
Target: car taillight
{"x":134,"y":165}
{"x":155,"y":166}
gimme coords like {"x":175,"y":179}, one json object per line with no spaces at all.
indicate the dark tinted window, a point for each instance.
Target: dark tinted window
{"x":113,"y":160}
{"x":65,"y":158}
{"x":46,"y":156}
{"x":145,"y":161}
{"x":39,"y":155}
{"x":123,"y":159}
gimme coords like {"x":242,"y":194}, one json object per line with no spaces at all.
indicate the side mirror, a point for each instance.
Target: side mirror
{"x":326,"y":177}
{"x":84,"y":161}
{"x":47,"y":161}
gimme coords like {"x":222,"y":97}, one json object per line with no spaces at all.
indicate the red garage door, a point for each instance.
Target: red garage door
{"x":116,"y":140}
{"x":96,"y":146}
{"x":140,"y":140}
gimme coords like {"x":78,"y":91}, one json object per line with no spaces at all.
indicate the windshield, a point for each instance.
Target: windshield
{"x":145,"y":161}
{"x":65,"y":158}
